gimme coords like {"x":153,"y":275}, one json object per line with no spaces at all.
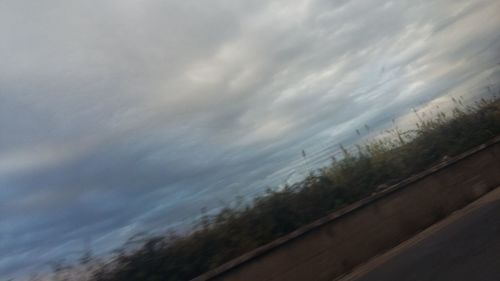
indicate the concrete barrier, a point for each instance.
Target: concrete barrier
{"x":348,"y":237}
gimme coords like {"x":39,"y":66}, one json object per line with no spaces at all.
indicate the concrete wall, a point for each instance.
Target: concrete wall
{"x":335,"y":244}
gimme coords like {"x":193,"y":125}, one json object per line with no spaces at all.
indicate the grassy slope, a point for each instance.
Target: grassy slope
{"x":235,"y":231}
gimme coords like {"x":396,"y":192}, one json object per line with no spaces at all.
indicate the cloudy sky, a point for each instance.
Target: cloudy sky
{"x":120,"y":116}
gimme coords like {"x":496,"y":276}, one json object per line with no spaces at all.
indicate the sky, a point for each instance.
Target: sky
{"x":123,"y":116}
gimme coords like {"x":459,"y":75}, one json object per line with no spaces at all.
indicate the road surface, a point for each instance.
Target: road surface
{"x":463,"y":247}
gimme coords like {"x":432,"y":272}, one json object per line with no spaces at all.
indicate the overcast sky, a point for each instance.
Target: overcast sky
{"x":119,"y":116}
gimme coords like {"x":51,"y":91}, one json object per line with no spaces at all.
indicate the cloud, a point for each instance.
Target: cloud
{"x":123,"y":116}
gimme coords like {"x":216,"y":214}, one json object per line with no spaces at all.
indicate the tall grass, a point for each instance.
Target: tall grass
{"x":234,"y":231}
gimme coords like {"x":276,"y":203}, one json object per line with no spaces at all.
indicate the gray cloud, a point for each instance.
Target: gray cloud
{"x":123,"y":116}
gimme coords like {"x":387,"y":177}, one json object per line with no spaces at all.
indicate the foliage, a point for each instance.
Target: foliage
{"x":375,"y":165}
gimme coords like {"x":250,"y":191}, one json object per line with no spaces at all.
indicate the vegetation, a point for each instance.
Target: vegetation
{"x":375,"y":165}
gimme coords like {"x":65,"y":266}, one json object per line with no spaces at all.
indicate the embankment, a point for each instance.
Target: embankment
{"x":335,"y":244}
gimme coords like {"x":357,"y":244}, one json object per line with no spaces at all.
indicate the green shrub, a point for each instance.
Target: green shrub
{"x":234,"y":231}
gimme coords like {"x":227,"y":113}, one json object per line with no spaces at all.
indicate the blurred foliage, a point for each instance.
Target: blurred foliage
{"x":375,"y":165}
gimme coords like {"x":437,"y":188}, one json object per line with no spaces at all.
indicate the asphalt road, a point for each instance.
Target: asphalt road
{"x":463,"y":247}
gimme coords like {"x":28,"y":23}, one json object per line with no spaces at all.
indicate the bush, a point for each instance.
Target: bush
{"x":234,"y":231}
